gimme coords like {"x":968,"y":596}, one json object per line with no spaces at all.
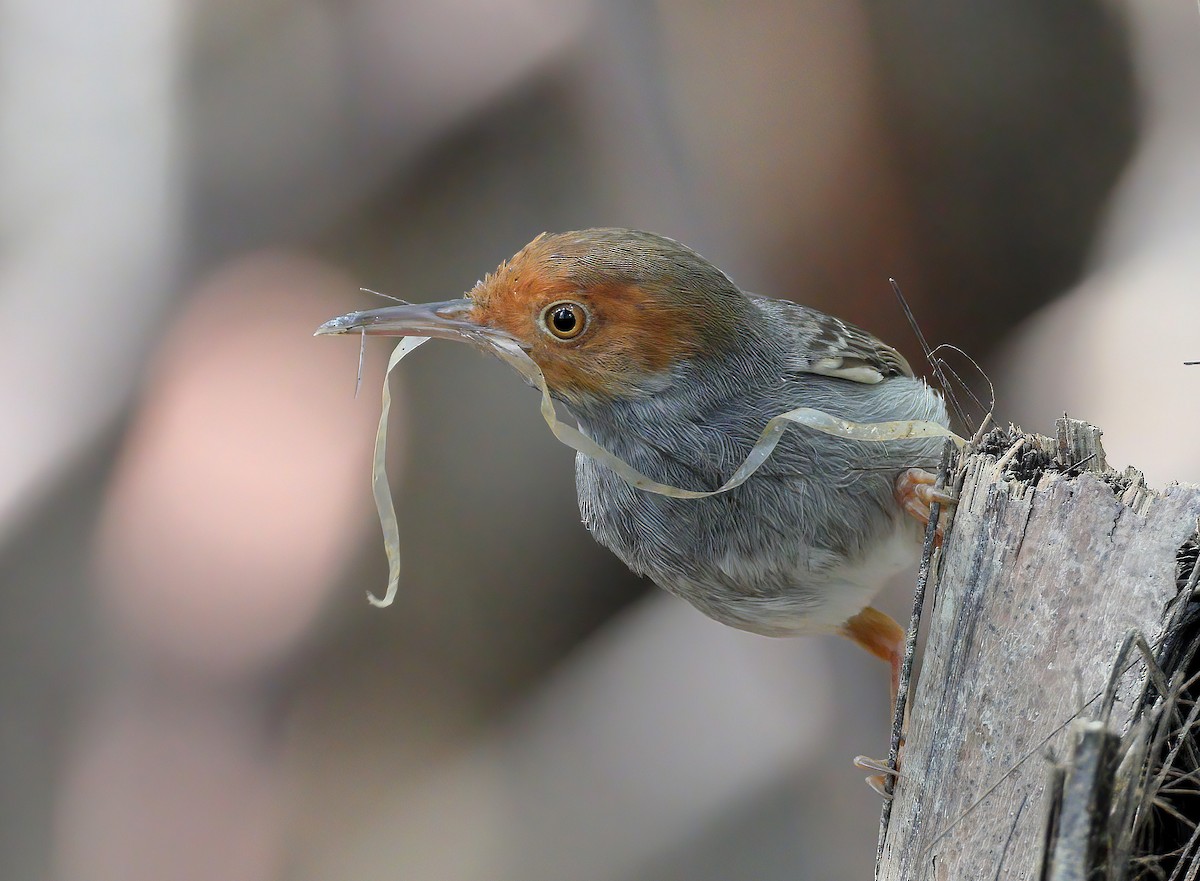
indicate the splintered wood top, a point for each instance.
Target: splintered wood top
{"x":1040,"y":578}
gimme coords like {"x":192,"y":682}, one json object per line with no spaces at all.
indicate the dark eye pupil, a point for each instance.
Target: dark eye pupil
{"x":563,"y":319}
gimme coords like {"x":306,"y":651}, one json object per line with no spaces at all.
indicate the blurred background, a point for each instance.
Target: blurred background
{"x":192,"y":685}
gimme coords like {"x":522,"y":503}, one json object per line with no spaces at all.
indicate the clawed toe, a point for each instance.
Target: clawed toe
{"x":883,"y":770}
{"x":866,"y":763}
{"x":916,"y":493}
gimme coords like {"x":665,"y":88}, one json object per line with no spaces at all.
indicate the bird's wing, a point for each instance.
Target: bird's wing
{"x":831,"y":347}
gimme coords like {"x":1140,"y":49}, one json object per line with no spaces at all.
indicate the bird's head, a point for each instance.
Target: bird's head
{"x":605,"y":313}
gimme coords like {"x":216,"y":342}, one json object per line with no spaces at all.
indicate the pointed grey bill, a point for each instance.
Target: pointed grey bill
{"x":448,"y":320}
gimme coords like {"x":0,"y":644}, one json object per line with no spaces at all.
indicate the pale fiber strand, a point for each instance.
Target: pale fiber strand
{"x":512,"y":354}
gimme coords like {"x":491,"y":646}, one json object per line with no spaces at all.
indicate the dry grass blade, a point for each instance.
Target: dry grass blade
{"x":1161,"y":838}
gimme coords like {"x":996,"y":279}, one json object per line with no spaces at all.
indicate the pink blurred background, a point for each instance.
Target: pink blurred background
{"x":193,"y":685}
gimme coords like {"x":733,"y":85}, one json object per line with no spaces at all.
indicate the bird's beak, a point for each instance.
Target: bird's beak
{"x":449,"y":320}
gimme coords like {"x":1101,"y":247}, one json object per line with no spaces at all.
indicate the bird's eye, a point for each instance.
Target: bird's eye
{"x":564,"y":320}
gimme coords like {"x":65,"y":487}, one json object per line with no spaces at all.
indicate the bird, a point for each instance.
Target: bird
{"x":663,"y":360}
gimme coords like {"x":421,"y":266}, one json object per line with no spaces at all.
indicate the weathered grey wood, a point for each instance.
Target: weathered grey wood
{"x":1042,"y":574}
{"x":1077,"y":838}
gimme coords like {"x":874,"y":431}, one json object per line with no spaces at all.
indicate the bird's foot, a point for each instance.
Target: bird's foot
{"x":879,"y":634}
{"x":883,"y":771}
{"x":916,"y":492}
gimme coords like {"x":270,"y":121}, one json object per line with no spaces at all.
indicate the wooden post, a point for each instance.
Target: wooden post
{"x":1050,"y":560}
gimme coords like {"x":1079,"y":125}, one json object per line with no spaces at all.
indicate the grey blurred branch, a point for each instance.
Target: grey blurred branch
{"x":90,"y":201}
{"x":1052,"y":561}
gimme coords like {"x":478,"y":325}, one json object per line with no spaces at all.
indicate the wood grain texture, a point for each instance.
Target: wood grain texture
{"x":1051,"y":558}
